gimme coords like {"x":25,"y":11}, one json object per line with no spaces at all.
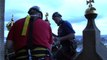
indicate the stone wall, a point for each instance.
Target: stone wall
{"x":2,"y":29}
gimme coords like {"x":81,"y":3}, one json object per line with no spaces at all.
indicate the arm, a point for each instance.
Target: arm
{"x":8,"y":47}
{"x":9,"y":44}
{"x":10,"y":38}
{"x":67,"y":37}
{"x":70,"y":36}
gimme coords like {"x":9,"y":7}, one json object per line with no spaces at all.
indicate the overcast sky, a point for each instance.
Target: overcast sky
{"x":71,"y":10}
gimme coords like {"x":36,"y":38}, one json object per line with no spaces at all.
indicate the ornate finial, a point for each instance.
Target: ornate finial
{"x":10,"y":24}
{"x":12,"y":18}
{"x":46,"y":15}
{"x":12,"y":21}
{"x":90,"y":9}
{"x":90,"y":2}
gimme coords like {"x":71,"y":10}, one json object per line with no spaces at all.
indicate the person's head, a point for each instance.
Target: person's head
{"x":35,"y":11}
{"x":57,"y":17}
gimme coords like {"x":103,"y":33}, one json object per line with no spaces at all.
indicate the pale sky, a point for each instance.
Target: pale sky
{"x":71,"y":10}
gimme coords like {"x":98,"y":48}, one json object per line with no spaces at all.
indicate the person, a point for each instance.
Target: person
{"x":31,"y":37}
{"x":66,"y":35}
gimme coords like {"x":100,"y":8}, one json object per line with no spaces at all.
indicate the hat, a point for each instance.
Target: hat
{"x":56,"y":14}
{"x":36,"y":8}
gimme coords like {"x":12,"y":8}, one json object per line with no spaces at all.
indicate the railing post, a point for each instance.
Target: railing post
{"x":2,"y":7}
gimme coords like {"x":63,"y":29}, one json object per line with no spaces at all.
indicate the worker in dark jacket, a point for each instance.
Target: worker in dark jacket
{"x":66,"y":35}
